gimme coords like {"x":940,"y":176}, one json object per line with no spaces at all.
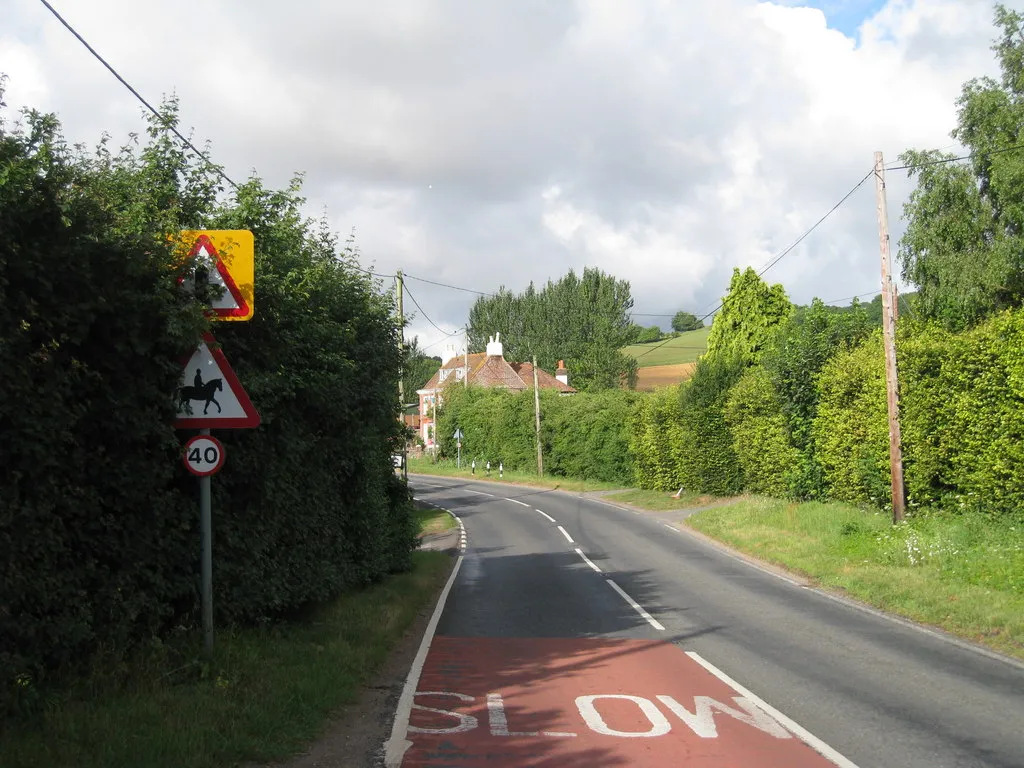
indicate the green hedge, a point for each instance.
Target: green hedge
{"x":963,"y":415}
{"x":96,"y":542}
{"x":851,"y":430}
{"x":585,"y":435}
{"x":760,"y":435}
{"x":98,"y":522}
{"x":657,"y":439}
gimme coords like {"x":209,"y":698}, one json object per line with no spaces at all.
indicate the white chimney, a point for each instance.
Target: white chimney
{"x":448,"y":353}
{"x":494,"y":348}
{"x":562,"y":373}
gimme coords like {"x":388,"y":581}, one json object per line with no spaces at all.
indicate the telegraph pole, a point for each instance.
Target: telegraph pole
{"x":889,"y":339}
{"x":399,"y":297}
{"x":465,"y":358}
{"x":536,"y":410}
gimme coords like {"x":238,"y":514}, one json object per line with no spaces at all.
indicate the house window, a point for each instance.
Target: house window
{"x":459,"y":373}
{"x":444,"y":374}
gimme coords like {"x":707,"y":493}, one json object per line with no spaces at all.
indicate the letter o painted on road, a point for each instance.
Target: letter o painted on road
{"x":588,"y":711}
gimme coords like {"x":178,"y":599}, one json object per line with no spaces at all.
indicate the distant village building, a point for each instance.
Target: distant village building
{"x":483,"y":369}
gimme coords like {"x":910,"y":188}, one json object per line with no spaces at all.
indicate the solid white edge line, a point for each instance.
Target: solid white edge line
{"x":587,"y":560}
{"x":479,"y":493}
{"x":797,"y":730}
{"x":520,"y":503}
{"x":549,"y":517}
{"x":638,"y":608}
{"x":395,"y":747}
{"x":566,"y":534}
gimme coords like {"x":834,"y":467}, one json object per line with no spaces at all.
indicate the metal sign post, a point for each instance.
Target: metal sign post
{"x":224,"y":259}
{"x":458,"y":441}
{"x":206,"y":540}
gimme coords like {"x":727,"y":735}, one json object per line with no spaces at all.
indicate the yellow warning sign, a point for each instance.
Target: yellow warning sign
{"x":227,"y":259}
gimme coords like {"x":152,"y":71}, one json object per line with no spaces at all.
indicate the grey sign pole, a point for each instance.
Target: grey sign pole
{"x":206,"y":539}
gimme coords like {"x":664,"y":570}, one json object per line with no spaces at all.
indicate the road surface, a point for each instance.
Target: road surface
{"x":576,"y":633}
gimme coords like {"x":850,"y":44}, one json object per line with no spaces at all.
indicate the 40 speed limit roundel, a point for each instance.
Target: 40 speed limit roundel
{"x":204,"y":455}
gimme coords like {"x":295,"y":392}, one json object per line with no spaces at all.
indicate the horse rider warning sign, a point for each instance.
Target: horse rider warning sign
{"x":210,"y":395}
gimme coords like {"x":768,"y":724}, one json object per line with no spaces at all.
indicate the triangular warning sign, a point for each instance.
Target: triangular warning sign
{"x":210,"y":396}
{"x":231,"y":302}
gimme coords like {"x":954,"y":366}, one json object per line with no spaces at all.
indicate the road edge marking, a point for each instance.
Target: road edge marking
{"x":397,"y":745}
{"x":638,"y":608}
{"x":790,"y":725}
{"x":520,"y":503}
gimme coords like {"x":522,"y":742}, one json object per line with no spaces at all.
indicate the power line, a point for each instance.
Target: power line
{"x":816,"y":224}
{"x":850,"y":298}
{"x":446,"y":285}
{"x":442,"y":330}
{"x":150,"y":107}
{"x":945,"y":160}
{"x":445,"y":338}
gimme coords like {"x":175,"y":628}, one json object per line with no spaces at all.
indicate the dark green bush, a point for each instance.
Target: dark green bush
{"x":98,"y":539}
{"x":96,"y":543}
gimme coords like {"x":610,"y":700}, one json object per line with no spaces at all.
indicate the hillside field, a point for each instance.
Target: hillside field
{"x":685,"y":348}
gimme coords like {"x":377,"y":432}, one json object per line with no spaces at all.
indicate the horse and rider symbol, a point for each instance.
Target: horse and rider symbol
{"x":204,"y":392}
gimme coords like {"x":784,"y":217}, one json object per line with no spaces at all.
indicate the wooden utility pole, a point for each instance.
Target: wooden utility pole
{"x":400,"y":297}
{"x":536,"y":410}
{"x":889,"y":340}
{"x":465,"y":352}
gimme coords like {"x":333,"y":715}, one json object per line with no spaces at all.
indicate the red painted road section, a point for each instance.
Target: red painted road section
{"x":587,"y":702}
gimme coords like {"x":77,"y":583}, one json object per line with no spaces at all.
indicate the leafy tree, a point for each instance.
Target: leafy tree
{"x":417,"y":368}
{"x":686,"y":321}
{"x":583,"y":320}
{"x":747,"y":321}
{"x":964,"y":243}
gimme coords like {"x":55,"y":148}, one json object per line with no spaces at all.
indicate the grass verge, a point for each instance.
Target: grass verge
{"x":434,"y":521}
{"x":659,"y":501}
{"x":961,"y":573}
{"x":447,"y":468}
{"x":268,"y":692}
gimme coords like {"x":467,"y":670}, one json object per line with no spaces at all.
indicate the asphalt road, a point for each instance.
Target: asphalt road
{"x":579,"y":633}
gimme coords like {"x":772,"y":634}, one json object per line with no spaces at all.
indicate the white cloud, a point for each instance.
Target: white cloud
{"x":481,"y":144}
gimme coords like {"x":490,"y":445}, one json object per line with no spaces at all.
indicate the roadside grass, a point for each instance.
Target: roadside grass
{"x":447,"y":468}
{"x":434,"y":521}
{"x":659,"y":501}
{"x":684,"y":348}
{"x":268,"y":692}
{"x":964,"y":574}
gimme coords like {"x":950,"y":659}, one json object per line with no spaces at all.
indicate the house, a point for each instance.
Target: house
{"x":484,"y":369}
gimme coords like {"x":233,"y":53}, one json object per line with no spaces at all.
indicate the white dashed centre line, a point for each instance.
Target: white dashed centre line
{"x":566,"y":534}
{"x":549,"y":517}
{"x":587,"y":560}
{"x":636,"y":606}
{"x":479,"y":493}
{"x":521,"y":504}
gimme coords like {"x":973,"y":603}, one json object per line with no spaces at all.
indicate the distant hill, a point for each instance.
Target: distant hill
{"x":684,"y":348}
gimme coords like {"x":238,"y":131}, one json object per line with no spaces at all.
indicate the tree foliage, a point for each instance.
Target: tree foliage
{"x":750,"y":313}
{"x":686,"y":321}
{"x":98,"y":539}
{"x":964,"y":243}
{"x":583,"y":320}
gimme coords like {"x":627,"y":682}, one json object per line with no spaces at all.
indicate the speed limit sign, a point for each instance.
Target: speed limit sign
{"x":204,"y":455}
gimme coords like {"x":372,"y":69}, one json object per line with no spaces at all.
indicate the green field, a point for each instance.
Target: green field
{"x":685,"y":348}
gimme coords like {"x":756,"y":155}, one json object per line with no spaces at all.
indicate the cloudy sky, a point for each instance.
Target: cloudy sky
{"x":483,"y":143}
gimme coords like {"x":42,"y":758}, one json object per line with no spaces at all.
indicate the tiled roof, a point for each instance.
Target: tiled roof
{"x":544,"y":379}
{"x":495,"y":371}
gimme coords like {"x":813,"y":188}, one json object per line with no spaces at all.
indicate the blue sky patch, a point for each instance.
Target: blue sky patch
{"x":844,"y":15}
